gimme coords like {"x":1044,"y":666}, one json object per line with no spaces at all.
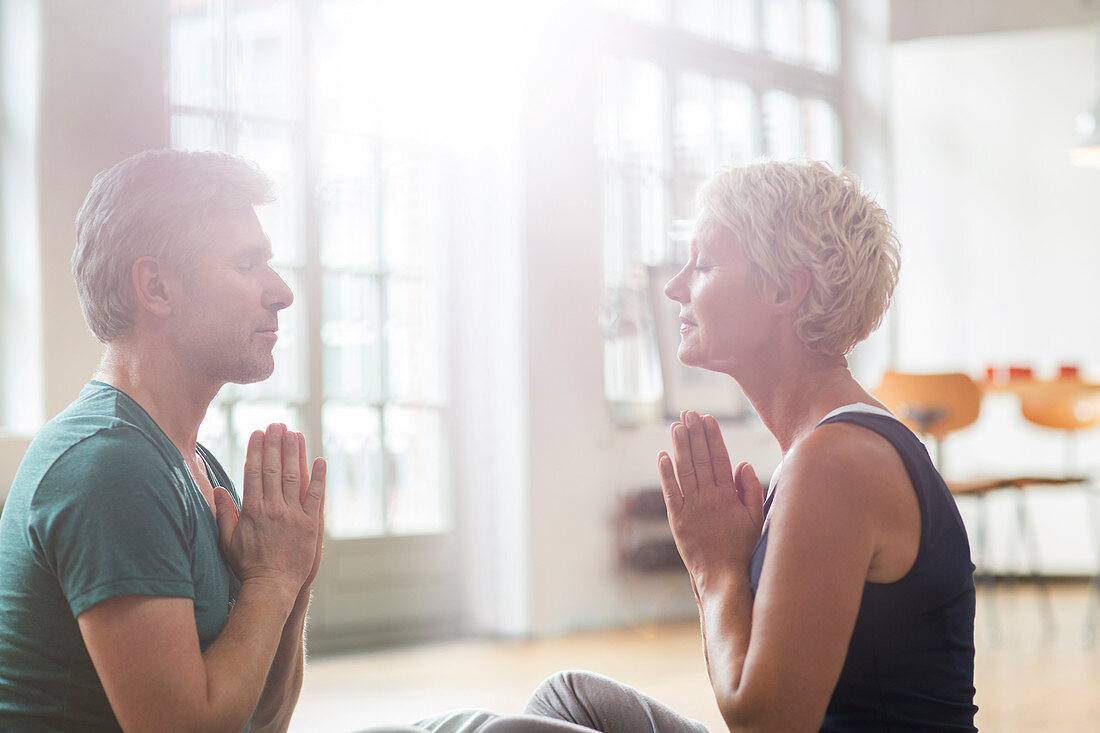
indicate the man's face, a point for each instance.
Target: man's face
{"x":228,"y":320}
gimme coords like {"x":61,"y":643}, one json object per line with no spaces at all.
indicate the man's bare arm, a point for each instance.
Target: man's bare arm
{"x":146,"y":649}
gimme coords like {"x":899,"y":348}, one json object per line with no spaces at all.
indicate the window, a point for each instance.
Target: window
{"x":688,"y":86}
{"x":357,"y":234}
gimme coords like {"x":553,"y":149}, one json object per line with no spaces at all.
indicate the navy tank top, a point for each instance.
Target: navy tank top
{"x":910,"y":662}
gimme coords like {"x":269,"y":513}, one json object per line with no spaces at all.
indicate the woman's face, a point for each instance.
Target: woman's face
{"x":724,"y":317}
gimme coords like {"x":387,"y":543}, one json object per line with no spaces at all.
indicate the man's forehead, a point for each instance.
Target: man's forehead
{"x":238,"y":232}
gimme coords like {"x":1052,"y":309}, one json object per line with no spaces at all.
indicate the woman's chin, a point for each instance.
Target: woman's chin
{"x":690,"y":357}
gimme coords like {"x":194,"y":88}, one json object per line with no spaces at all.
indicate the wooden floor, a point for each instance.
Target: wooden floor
{"x":1026,"y":681}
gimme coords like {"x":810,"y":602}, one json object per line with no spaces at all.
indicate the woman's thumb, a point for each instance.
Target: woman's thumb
{"x":752,"y":490}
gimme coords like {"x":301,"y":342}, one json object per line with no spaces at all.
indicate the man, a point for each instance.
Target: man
{"x":135,"y":593}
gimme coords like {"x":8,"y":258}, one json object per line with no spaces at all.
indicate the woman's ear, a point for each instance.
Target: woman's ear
{"x":152,"y":289}
{"x":789,"y":297}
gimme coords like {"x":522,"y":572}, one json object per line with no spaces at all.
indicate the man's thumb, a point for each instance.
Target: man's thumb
{"x":225,"y":512}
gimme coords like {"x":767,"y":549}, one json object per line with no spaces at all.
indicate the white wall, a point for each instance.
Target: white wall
{"x":1000,"y":241}
{"x":100,"y":97}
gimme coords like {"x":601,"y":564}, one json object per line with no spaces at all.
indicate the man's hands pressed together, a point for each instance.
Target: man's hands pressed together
{"x":275,"y":540}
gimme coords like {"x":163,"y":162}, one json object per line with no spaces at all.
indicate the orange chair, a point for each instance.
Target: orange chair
{"x":936,"y":405}
{"x":1062,"y":406}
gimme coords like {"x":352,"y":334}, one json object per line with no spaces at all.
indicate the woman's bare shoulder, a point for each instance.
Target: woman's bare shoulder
{"x":849,"y":462}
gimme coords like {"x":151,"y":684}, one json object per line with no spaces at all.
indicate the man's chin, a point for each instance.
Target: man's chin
{"x":252,"y":373}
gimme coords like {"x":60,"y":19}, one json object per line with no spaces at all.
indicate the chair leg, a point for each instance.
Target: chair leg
{"x":1088,"y":630}
{"x":983,"y":576}
{"x":1031,"y":552}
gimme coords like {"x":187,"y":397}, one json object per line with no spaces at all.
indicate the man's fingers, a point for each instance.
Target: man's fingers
{"x":674,"y":499}
{"x":292,"y":476}
{"x":303,"y":466}
{"x":315,"y":495}
{"x":273,"y":462}
{"x":252,"y":491}
{"x":225,"y":513}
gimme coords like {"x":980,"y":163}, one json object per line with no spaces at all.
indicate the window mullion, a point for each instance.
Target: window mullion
{"x":313,"y":276}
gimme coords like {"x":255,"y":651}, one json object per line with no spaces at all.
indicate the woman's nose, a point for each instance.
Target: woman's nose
{"x":674,"y":289}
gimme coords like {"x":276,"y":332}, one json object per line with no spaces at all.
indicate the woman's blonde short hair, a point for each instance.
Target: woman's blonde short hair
{"x":802,"y":214}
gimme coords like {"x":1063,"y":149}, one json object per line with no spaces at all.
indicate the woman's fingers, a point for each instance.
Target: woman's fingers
{"x":719,"y":456}
{"x":674,"y":498}
{"x":681,"y":456}
{"x":700,"y":451}
{"x":752,"y":494}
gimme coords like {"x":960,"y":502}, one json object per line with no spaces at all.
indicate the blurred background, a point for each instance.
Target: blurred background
{"x":478,"y":204}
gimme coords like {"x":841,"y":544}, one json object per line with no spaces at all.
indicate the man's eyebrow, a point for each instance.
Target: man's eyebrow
{"x":259,"y":248}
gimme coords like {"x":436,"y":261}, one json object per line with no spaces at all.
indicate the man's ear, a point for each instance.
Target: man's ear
{"x":153,"y":286}
{"x":789,"y":297}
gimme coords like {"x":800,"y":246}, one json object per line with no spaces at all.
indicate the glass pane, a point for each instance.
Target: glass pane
{"x":351,"y":337}
{"x":273,"y":147}
{"x":737,"y":23}
{"x":354,"y":490}
{"x":631,"y":367}
{"x":416,"y":341}
{"x":288,"y":379}
{"x":652,"y":11}
{"x":263,"y":53}
{"x":348,"y":198}
{"x":735,"y":123}
{"x":696,"y":16}
{"x":197,"y":55}
{"x":693,"y":132}
{"x":634,"y":142}
{"x":415,"y":448}
{"x":823,"y":35}
{"x":781,"y":120}
{"x":635,"y":106}
{"x":214,"y":433}
{"x":345,"y":92}
{"x":247,"y":417}
{"x":196,"y":132}
{"x":410,"y":226}
{"x":783,"y":29}
{"x":822,"y":131}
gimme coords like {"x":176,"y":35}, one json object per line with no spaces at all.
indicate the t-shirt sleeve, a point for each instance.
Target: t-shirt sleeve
{"x":109,"y":520}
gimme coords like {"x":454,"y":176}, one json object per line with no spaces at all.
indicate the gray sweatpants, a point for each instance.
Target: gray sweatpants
{"x":568,"y":702}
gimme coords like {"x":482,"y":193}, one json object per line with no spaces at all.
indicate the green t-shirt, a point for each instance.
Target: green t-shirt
{"x":102,"y":506}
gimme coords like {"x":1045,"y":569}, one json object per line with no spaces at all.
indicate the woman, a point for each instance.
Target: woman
{"x":844,"y":601}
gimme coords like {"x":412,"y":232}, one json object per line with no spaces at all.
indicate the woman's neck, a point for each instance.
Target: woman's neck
{"x":792,"y":395}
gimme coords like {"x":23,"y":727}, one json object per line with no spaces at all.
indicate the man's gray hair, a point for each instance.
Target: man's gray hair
{"x":152,"y":204}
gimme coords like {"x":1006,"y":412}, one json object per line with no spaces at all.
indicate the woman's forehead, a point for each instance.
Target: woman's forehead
{"x":709,"y":230}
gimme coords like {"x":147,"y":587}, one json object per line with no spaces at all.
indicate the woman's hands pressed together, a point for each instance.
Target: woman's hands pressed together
{"x":276,"y":537}
{"x":716,"y":513}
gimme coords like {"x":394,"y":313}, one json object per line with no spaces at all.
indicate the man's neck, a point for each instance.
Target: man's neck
{"x":174,"y":396}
